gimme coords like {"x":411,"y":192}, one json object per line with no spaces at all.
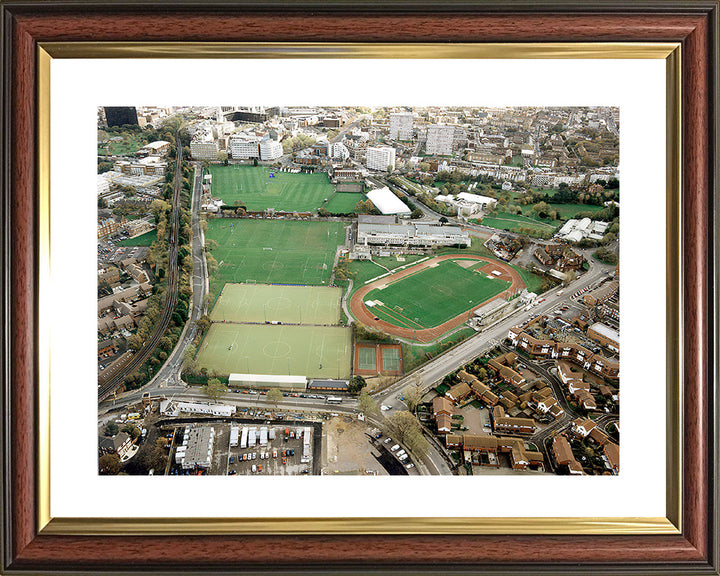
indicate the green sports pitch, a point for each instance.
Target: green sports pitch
{"x":433,"y":295}
{"x":259,"y":188}
{"x":288,"y":304}
{"x":312,"y":351}
{"x":274,"y":251}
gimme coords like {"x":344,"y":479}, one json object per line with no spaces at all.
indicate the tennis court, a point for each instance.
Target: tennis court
{"x":274,"y":251}
{"x":432,"y":296}
{"x":391,"y":359}
{"x":260,"y":187}
{"x":366,"y":358}
{"x":312,"y":351}
{"x":287,"y":304}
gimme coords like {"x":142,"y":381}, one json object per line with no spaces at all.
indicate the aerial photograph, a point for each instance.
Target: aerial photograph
{"x":358,"y":290}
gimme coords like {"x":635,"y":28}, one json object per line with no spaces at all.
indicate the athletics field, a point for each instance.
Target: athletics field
{"x":312,"y":351}
{"x":286,"y":304}
{"x":257,"y":190}
{"x":426,"y":300}
{"x":274,"y":251}
{"x":433,"y":295}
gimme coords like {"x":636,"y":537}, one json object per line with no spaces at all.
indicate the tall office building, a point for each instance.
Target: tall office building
{"x":120,"y":115}
{"x":380,"y":158}
{"x":401,"y":126}
{"x":440,"y":139}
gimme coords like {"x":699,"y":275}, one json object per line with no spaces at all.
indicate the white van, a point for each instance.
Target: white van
{"x":254,"y":468}
{"x":394,"y":447}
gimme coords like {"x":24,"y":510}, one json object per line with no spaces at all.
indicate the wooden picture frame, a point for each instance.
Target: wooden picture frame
{"x":685,"y":542}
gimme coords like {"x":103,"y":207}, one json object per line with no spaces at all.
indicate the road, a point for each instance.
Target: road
{"x":167,"y":380}
{"x":439,"y":367}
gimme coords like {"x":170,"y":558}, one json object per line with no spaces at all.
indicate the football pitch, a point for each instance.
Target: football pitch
{"x":257,"y":190}
{"x":312,"y":351}
{"x":287,"y":304}
{"x":274,"y":251}
{"x":433,"y":295}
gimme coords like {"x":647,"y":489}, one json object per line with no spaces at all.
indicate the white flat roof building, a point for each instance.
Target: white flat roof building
{"x":485,"y":201}
{"x":289,"y":382}
{"x":244,"y":147}
{"x":385,"y":201}
{"x":575,"y":230}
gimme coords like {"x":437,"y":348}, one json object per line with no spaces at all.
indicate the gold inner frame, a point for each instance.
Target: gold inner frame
{"x":671,"y":524}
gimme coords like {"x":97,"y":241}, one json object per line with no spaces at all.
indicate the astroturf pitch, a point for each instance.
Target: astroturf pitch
{"x":433,"y":295}
{"x":254,"y":188}
{"x":274,"y":251}
{"x":287,"y":304}
{"x":343,"y":202}
{"x":312,"y":351}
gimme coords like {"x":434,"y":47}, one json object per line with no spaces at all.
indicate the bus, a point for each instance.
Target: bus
{"x":334,"y":400}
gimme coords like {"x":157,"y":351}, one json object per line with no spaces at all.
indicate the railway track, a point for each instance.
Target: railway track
{"x":106,"y":389}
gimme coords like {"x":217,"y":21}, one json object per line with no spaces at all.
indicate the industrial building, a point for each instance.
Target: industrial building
{"x":197,"y":448}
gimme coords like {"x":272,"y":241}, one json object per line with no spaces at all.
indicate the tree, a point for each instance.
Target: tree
{"x":405,"y":428}
{"x":132,"y":431}
{"x":424,"y":167}
{"x":214,"y":389}
{"x":102,"y":203}
{"x":542,"y":209}
{"x":274,"y":396}
{"x":413,"y":395}
{"x":110,"y":429}
{"x":152,"y":458}
{"x":203,"y":323}
{"x":443,"y":220}
{"x":166,"y":343}
{"x":109,"y":464}
{"x":357,"y":383}
{"x":366,"y":404}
